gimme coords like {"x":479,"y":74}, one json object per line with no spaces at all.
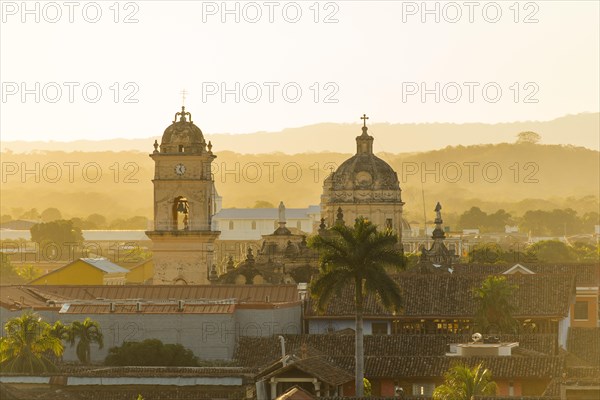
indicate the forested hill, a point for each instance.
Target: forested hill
{"x":516,"y":177}
{"x":579,"y":130}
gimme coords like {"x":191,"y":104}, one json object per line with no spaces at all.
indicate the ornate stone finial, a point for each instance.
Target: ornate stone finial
{"x":438,"y":232}
{"x":364,"y":127}
{"x":209,"y":146}
{"x":249,"y":255}
{"x":281,"y":212}
{"x":213,"y":274}
{"x":340,"y":217}
{"x":364,"y":142}
{"x":322,"y":225}
{"x":230,"y":265}
{"x":156,"y":146}
{"x":423,"y":256}
{"x":182,"y":115}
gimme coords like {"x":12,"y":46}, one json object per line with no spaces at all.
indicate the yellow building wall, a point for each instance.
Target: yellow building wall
{"x":141,"y":273}
{"x":76,"y":273}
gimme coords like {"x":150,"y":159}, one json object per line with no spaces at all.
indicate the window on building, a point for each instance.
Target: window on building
{"x":379,"y":328}
{"x":581,"y":310}
{"x":230,"y":225}
{"x":254,"y":225}
{"x":423,"y":389}
{"x":181,"y":148}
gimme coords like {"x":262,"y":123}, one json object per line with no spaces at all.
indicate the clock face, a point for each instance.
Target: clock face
{"x":180,"y":169}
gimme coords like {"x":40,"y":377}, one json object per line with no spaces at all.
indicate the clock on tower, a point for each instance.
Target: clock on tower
{"x":184,"y":201}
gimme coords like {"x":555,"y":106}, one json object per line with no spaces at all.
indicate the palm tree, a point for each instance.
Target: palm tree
{"x":357,"y":256}
{"x":495,"y":307}
{"x":88,"y":332}
{"x":60,"y":331}
{"x":26,"y":344}
{"x":464,"y":383}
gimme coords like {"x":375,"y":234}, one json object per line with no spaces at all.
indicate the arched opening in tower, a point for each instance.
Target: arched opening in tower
{"x":181,"y":211}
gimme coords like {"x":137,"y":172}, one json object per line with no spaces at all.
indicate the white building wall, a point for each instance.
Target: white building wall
{"x":209,"y":336}
{"x":563,"y":330}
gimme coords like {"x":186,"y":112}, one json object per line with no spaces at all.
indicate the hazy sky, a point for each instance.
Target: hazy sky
{"x":358,"y":57}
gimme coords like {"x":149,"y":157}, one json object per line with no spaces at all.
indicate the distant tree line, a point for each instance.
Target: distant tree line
{"x":557,"y":222}
{"x":545,"y":251}
{"x":92,"y":221}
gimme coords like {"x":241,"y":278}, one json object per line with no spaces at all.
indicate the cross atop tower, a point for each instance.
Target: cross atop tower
{"x":364,"y":118}
{"x":183,"y":93}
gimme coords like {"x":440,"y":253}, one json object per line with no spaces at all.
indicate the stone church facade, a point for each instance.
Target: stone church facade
{"x":364,"y":185}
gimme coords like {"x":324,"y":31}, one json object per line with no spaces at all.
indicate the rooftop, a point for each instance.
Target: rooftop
{"x":451,"y":296}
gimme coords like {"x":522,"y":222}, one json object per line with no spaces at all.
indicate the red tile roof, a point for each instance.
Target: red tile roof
{"x":441,"y":296}
{"x":258,"y":352}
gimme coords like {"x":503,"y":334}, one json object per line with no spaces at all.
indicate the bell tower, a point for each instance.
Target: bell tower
{"x":184,"y":203}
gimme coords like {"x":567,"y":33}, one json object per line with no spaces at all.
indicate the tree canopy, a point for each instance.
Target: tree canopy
{"x":495,"y":309}
{"x":59,"y":233}
{"x":151,"y":352}
{"x":26,"y":345}
{"x":464,"y":383}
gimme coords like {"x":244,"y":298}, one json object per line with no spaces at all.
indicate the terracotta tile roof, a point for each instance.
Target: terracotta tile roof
{"x":586,"y":274}
{"x":451,"y":296}
{"x":517,"y":398}
{"x":126,"y":392}
{"x":414,"y":367}
{"x":574,"y":376}
{"x":154,"y":371}
{"x":319,"y":367}
{"x":585,"y":344}
{"x":259,"y":352}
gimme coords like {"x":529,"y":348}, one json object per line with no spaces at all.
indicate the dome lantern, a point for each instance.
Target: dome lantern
{"x":183,"y":136}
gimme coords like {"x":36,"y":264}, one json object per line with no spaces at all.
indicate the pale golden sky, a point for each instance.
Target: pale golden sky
{"x":359,"y":56}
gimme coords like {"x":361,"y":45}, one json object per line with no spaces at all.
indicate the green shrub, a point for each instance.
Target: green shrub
{"x":151,"y":352}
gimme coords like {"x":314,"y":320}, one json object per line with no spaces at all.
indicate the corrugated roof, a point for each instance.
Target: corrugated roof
{"x":243,"y":293}
{"x":149,"y":309}
{"x":104,"y":265}
{"x":15,"y":297}
{"x":265,"y":213}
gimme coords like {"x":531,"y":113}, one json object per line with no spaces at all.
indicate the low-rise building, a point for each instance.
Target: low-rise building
{"x":85,"y":271}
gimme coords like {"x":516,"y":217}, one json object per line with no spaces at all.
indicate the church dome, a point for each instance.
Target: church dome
{"x":364,"y":170}
{"x":183,"y":136}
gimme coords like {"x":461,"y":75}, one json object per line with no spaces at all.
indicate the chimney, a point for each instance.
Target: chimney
{"x":112,"y":307}
{"x":138,"y":307}
{"x":180,"y":304}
